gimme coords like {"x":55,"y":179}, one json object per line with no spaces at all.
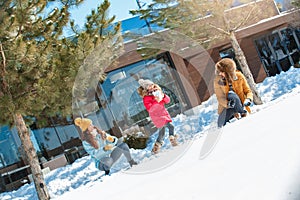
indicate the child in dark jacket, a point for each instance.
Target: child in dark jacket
{"x":154,"y":101}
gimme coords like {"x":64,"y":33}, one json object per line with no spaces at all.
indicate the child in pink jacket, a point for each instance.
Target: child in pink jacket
{"x":154,"y":101}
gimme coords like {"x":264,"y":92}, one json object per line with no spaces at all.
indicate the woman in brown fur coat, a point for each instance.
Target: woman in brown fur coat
{"x":232,"y":90}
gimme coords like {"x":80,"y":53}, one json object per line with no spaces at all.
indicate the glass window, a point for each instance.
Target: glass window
{"x":229,"y":53}
{"x":266,"y":56}
{"x":297,"y":31}
{"x":279,"y":43}
{"x":120,"y":104}
{"x":52,"y":141}
{"x":288,"y":40}
{"x":9,"y":147}
{"x":278,"y":46}
{"x":279,"y":50}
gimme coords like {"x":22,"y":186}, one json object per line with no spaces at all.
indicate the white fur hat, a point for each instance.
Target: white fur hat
{"x":145,"y":83}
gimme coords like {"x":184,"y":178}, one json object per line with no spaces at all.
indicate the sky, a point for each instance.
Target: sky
{"x":256,"y":157}
{"x":119,"y":8}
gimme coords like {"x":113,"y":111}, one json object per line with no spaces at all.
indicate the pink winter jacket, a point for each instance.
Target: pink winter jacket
{"x":157,"y":111}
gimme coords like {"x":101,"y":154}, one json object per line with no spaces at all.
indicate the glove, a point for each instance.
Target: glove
{"x":231,"y":103}
{"x":108,"y":147}
{"x":110,"y":138}
{"x":247,"y":102}
{"x":159,"y":95}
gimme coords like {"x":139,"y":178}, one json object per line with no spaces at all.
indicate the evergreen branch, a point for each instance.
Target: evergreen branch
{"x":33,"y":91}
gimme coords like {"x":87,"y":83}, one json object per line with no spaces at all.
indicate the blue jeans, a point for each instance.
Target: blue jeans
{"x":162,"y":131}
{"x":228,"y":114}
{"x":107,"y":162}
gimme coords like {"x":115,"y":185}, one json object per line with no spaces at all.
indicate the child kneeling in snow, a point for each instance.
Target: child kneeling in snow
{"x":232,"y":90}
{"x":104,"y":148}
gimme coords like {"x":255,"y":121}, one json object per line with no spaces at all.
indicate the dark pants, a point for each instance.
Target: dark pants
{"x":162,"y":131}
{"x":228,"y":114}
{"x":107,"y":162}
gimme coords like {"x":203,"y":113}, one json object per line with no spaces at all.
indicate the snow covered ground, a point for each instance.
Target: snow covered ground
{"x":257,"y":157}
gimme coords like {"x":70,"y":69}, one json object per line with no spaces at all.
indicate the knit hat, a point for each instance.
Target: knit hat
{"x":145,"y":83}
{"x":83,"y":123}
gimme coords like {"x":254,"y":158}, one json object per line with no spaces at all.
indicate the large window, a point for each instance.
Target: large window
{"x":297,"y":33}
{"x":266,"y":57}
{"x":10,"y":146}
{"x":53,"y":141}
{"x":120,"y":104}
{"x":278,"y":51}
{"x":229,"y":53}
{"x":291,"y":43}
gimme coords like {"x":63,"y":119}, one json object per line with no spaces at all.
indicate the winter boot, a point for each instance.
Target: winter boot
{"x":244,"y":114}
{"x":173,"y":140}
{"x":132,"y":162}
{"x":156,"y":148}
{"x":237,"y":115}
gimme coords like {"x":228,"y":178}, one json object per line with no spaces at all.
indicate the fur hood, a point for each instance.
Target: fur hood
{"x":240,"y":86}
{"x":228,"y":66}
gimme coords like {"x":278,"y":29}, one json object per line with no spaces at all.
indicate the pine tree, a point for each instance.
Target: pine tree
{"x":296,"y":3}
{"x":99,"y":45}
{"x":38,"y":65}
{"x":210,"y":22}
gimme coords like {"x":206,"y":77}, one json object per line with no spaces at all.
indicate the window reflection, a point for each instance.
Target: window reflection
{"x":54,"y":140}
{"x":297,"y":32}
{"x":278,"y":46}
{"x":290,"y":42}
{"x":266,"y":57}
{"x":279,"y":50}
{"x":9,"y":147}
{"x":121,"y":106}
{"x":229,"y":53}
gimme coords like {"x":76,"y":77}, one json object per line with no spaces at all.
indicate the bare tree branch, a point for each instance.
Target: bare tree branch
{"x":3,"y":57}
{"x":219,"y":29}
{"x":3,"y":71}
{"x":245,"y":19}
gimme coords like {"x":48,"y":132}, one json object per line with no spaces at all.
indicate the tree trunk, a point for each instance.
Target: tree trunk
{"x":245,"y":68}
{"x":32,"y":158}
